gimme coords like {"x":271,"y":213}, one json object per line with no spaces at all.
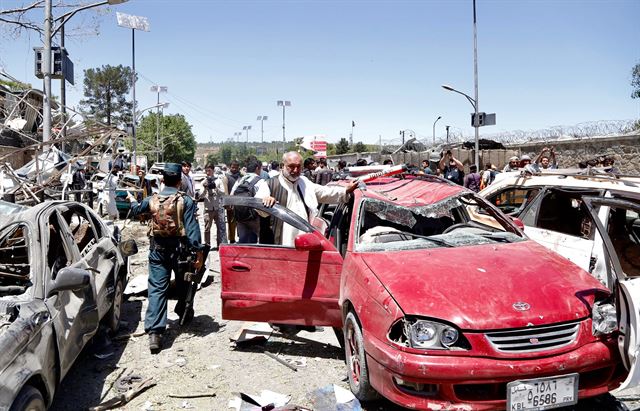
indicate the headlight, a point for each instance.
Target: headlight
{"x":604,"y":319}
{"x":430,"y":334}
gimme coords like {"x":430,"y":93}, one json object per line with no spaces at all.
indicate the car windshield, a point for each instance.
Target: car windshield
{"x":384,"y":226}
{"x":10,"y":208}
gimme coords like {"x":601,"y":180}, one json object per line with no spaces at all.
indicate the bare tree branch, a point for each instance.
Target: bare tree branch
{"x":35,"y":5}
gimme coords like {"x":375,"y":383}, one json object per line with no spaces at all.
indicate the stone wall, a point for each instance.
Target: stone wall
{"x":625,"y":150}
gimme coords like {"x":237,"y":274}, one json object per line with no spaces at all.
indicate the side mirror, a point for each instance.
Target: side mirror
{"x":518,"y":222}
{"x":70,"y":279}
{"x":308,"y":242}
{"x":128,"y":247}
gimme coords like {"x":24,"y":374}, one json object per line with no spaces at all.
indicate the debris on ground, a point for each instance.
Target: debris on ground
{"x":251,"y":334}
{"x":122,"y":399}
{"x":334,"y":397}
{"x":267,"y":400}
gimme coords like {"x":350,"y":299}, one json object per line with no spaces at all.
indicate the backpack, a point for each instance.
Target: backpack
{"x":167,"y":216}
{"x":245,"y":189}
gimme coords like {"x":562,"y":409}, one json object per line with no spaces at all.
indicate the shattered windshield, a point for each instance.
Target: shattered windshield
{"x":384,"y":226}
{"x":14,"y":260}
{"x":10,"y":208}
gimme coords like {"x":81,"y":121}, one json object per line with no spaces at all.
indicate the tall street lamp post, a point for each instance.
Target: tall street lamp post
{"x":237,"y":135}
{"x":134,"y":23}
{"x":247,"y":128}
{"x":476,"y":124}
{"x":49,"y":32}
{"x":158,"y":90}
{"x":434,"y":130}
{"x":261,"y":119}
{"x":283,"y":104}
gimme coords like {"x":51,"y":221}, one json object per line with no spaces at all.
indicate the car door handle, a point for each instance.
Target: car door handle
{"x":240,"y":267}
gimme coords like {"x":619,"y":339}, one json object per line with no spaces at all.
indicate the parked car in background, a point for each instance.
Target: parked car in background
{"x":551,"y":207}
{"x":62,"y":274}
{"x":438,"y":308}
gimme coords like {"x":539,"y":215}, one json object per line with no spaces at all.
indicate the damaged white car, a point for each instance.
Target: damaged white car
{"x":62,"y":273}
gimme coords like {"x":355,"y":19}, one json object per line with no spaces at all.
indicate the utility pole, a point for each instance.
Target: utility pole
{"x":447,"y":127}
{"x":261,"y":119}
{"x":46,"y":73}
{"x":158,"y":90}
{"x":475,"y":80}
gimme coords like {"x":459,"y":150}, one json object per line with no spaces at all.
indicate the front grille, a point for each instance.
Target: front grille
{"x":533,"y":339}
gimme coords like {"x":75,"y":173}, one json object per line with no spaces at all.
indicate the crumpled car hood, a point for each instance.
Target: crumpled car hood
{"x":475,"y":287}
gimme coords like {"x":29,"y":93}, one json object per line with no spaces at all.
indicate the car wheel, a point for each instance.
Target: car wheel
{"x":356,"y":360}
{"x":28,"y":399}
{"x":112,"y":319}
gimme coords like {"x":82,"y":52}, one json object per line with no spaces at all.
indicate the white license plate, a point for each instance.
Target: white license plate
{"x":542,"y":393}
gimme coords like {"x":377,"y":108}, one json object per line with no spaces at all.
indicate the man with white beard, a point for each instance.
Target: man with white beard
{"x":298,"y":194}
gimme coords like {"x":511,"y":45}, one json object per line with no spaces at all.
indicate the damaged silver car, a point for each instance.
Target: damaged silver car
{"x":62,"y":274}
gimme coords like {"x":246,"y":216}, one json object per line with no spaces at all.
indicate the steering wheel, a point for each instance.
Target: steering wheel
{"x":455,"y":227}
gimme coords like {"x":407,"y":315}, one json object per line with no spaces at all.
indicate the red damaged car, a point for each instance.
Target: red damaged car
{"x":439,"y":309}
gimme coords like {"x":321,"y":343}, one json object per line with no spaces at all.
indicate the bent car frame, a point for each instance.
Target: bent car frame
{"x":440,"y":311}
{"x":62,"y":272}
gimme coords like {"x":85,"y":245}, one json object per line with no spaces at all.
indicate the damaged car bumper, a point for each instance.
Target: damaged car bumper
{"x":462,"y":382}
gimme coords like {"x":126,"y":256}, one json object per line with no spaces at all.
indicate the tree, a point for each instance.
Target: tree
{"x":177,"y":140}
{"x":635,"y":81}
{"x":106,"y":90}
{"x":26,"y":18}
{"x":342,"y":147}
{"x":359,"y":147}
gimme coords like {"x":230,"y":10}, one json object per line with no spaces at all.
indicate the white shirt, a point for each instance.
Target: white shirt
{"x":313,"y":195}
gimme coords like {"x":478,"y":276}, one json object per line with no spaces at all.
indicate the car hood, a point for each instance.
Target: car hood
{"x":476,"y":287}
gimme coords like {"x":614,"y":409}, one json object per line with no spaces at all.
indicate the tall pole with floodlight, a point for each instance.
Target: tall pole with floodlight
{"x":283,"y":104}
{"x":134,"y":23}
{"x":261,"y":119}
{"x":434,"y":130}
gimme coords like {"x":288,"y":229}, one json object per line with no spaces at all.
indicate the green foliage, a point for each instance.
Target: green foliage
{"x":177,"y":142}
{"x":212,"y":159}
{"x":635,"y":81}
{"x":105,"y":90}
{"x":359,"y":147}
{"x":16,"y":86}
{"x":342,"y":147}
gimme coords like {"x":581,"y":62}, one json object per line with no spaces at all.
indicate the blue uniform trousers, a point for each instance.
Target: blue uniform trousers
{"x":161,"y":263}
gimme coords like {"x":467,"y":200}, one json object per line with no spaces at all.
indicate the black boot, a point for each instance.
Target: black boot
{"x":155,"y":342}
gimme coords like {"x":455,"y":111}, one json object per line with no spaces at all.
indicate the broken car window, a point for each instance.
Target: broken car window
{"x":82,"y":231}
{"x":14,"y":260}
{"x":57,"y":257}
{"x":385,"y":226}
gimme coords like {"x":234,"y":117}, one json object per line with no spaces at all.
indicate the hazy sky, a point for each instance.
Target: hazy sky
{"x":378,"y":63}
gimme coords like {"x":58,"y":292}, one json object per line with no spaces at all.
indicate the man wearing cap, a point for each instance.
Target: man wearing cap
{"x":173,"y":229}
{"x":513,"y":164}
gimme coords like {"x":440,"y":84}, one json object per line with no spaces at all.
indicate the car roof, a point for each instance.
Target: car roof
{"x":567,"y":178}
{"x":411,"y":191}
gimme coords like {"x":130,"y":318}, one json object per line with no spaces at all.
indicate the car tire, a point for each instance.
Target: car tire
{"x":356,"y":360}
{"x":602,"y":402}
{"x":112,"y":319}
{"x":29,"y":399}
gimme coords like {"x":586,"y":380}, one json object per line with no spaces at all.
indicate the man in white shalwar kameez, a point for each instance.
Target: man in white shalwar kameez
{"x":303,"y":196}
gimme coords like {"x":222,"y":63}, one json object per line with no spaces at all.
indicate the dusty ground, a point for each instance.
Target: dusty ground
{"x":200,"y":359}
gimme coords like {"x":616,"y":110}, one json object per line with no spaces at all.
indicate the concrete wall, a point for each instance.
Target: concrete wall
{"x":625,"y":150}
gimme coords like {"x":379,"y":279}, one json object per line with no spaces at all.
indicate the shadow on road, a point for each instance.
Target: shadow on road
{"x":95,"y":363}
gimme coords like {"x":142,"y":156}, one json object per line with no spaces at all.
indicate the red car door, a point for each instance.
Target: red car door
{"x":272,"y":283}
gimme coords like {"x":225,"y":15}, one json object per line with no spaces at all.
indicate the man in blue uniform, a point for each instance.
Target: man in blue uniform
{"x":173,"y":232}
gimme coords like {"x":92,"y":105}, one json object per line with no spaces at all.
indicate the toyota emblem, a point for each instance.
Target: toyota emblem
{"x":520,"y":306}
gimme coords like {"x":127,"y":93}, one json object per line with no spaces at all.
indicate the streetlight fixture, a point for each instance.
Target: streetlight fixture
{"x":283,"y":104}
{"x":158,"y":90}
{"x":247,"y":128}
{"x":434,"y":130}
{"x":134,"y":23}
{"x":261,"y":119}
{"x":159,"y":105}
{"x":476,"y":124}
{"x":237,"y":135}
{"x":49,"y":32}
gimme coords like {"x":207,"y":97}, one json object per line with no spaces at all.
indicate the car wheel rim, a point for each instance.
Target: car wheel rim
{"x":354,"y":357}
{"x":117,"y":304}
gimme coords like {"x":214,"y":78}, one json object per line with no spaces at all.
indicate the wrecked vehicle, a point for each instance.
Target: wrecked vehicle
{"x":439,"y":310}
{"x":62,"y":274}
{"x":551,"y":207}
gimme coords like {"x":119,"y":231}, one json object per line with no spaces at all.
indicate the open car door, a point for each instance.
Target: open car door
{"x":281,"y":284}
{"x":622,"y":251}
